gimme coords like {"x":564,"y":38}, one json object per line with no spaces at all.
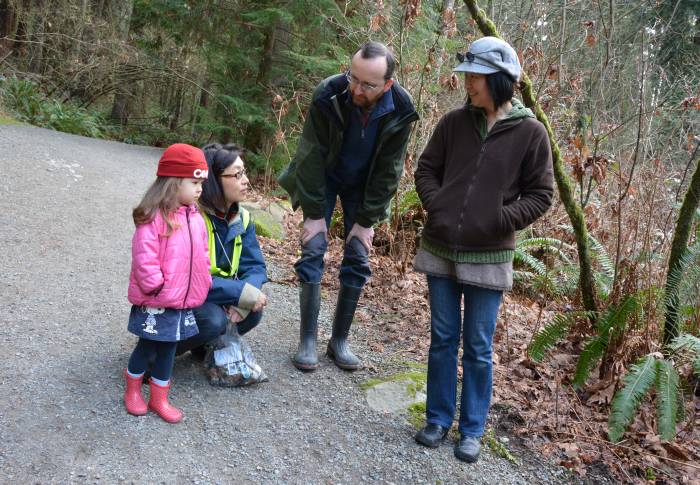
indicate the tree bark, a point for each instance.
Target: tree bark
{"x":255,"y":133}
{"x":7,"y":26}
{"x":573,"y":209}
{"x":125,"y":93}
{"x":678,"y":249}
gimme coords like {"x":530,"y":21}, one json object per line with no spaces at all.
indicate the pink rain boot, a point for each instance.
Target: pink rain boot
{"x":159,"y":404}
{"x":133,"y":400}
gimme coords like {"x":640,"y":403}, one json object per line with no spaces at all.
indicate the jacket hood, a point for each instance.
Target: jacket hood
{"x":518,"y":111}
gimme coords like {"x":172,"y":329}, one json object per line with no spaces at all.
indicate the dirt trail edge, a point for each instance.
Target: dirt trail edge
{"x":66,"y":234}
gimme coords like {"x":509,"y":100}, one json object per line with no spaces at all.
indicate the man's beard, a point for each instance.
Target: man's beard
{"x":362,"y":102}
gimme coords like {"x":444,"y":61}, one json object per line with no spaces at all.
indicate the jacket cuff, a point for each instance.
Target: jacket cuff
{"x":363,"y":221}
{"x":249,"y":296}
{"x":243,"y":312}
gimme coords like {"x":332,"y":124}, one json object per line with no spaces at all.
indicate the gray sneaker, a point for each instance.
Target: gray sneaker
{"x":468,"y":449}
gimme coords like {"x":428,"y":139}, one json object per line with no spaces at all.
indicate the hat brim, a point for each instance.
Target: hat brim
{"x":468,"y":66}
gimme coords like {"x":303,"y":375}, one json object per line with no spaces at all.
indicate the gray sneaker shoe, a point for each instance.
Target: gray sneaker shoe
{"x":468,"y":449}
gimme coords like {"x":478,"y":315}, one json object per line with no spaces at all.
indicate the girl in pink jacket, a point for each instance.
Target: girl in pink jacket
{"x":169,"y":275}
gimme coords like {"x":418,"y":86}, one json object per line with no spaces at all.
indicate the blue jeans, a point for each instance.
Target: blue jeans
{"x":212,"y":321}
{"x":354,"y":269}
{"x":479,"y":323}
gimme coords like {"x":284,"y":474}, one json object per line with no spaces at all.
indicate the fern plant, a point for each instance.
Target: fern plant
{"x":607,"y":328}
{"x":531,"y":271}
{"x":553,"y":333}
{"x":658,"y":372}
{"x":636,"y":384}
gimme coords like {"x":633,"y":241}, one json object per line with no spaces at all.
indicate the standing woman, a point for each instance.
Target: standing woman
{"x":485,"y":173}
{"x":237,"y":264}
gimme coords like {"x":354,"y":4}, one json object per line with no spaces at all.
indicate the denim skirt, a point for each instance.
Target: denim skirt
{"x":162,"y":324}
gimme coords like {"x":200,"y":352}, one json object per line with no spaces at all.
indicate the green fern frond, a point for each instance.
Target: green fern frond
{"x":549,"y":244}
{"x":687,"y":346}
{"x":610,"y":325}
{"x":550,"y":334}
{"x":686,"y":342}
{"x":635,"y":385}
{"x":684,"y":271}
{"x":530,"y":261}
{"x":601,"y":255}
{"x":591,"y":354}
{"x":616,"y":316}
{"x":667,"y":403}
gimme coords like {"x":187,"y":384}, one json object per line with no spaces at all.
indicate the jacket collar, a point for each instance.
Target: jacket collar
{"x":332,"y":93}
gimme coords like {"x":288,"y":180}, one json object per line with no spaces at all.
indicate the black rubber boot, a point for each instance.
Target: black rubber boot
{"x":338,"y":348}
{"x":306,"y":357}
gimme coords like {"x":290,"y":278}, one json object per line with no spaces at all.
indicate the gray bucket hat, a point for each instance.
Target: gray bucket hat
{"x":488,"y":55}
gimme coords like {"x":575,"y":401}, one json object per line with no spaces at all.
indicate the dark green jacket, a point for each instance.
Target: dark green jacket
{"x":319,"y":149}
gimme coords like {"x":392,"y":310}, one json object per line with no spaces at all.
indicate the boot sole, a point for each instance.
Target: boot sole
{"x":331,"y":355}
{"x":305,"y":367}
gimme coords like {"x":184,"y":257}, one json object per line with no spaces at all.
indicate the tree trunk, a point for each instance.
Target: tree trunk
{"x":255,"y":133}
{"x":573,"y":209}
{"x":678,"y":250}
{"x":36,"y":36}
{"x":7,"y":26}
{"x":124,"y":93}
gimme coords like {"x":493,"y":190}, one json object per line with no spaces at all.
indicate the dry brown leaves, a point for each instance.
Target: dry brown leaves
{"x":537,"y":400}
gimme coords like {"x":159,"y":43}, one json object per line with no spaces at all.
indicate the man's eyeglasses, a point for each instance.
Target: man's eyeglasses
{"x":364,"y":86}
{"x":238,"y":175}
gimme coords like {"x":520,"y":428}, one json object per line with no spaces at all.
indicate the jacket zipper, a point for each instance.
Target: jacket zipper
{"x":189,"y":277}
{"x":458,"y":229}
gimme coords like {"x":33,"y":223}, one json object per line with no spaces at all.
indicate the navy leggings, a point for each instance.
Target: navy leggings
{"x":148,"y":350}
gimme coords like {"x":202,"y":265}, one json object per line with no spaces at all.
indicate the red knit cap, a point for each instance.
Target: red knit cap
{"x":182,"y":160}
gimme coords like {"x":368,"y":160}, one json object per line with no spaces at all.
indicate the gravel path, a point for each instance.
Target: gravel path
{"x":66,"y":232}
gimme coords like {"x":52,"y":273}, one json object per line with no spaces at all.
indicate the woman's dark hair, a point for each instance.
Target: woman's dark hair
{"x":501,"y":87}
{"x":219,"y":157}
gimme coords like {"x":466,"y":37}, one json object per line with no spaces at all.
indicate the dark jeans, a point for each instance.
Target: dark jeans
{"x":162,"y":354}
{"x":354,"y":269}
{"x":477,"y":328}
{"x":212,"y":321}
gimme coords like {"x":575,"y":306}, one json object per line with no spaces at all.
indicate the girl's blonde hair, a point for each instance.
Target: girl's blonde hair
{"x":160,"y":196}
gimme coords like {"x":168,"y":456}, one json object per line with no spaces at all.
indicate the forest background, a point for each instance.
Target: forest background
{"x":601,"y":333}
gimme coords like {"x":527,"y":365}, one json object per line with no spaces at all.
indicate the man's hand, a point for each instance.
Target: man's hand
{"x":262,"y":301}
{"x":364,"y":234}
{"x":311,"y":228}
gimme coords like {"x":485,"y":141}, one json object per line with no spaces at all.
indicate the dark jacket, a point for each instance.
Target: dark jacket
{"x":479,"y":190}
{"x":251,"y":268}
{"x":320,"y":143}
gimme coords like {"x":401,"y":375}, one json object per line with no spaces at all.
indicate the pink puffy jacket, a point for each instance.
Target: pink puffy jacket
{"x":170,"y":271}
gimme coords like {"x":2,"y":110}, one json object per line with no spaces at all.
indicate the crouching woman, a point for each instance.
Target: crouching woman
{"x":237,"y":264}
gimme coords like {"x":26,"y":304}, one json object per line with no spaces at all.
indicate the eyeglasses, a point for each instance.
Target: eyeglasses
{"x":468,"y":56}
{"x":364,"y":86}
{"x":238,"y":175}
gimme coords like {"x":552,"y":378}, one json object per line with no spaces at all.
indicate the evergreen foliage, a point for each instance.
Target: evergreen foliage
{"x":635,"y":386}
{"x":552,"y":333}
{"x":667,"y":402}
{"x":608,"y":327}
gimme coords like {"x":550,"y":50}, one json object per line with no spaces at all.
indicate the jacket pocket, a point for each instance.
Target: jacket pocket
{"x":483,"y":219}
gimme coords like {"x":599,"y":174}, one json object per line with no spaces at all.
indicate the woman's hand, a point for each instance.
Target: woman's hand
{"x":233,"y":315}
{"x":262,"y":301}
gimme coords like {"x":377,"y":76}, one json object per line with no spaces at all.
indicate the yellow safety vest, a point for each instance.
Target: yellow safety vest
{"x":237,"y":246}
